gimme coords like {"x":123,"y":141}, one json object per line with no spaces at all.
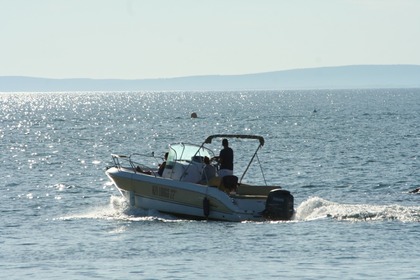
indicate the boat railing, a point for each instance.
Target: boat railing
{"x":116,"y":159}
{"x":124,"y":161}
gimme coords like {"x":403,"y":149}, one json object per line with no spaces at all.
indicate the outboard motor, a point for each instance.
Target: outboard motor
{"x":279,"y":205}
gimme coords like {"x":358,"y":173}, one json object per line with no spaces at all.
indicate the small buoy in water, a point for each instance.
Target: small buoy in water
{"x":193,"y":115}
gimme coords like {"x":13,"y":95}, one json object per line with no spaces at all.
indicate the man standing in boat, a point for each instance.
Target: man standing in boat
{"x":226,"y":159}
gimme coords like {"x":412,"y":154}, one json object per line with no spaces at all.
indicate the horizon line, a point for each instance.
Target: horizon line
{"x":212,"y":75}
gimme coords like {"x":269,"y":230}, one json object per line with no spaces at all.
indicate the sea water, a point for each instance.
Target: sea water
{"x":349,"y":157}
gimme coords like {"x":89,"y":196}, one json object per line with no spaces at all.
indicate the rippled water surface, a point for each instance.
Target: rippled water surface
{"x":349,"y":157}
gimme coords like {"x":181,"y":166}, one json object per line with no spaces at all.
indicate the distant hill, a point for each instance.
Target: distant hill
{"x":343,"y":77}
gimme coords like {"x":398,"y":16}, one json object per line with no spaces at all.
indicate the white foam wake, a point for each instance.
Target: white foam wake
{"x":318,"y":208}
{"x":119,"y":209}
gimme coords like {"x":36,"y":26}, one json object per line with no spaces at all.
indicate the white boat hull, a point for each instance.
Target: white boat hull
{"x":184,"y":198}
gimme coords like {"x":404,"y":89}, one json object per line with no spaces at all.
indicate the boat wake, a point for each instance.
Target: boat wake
{"x":316,"y":208}
{"x":119,"y":209}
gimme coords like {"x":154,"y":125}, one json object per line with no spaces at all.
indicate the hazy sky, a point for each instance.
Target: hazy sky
{"x":135,"y":39}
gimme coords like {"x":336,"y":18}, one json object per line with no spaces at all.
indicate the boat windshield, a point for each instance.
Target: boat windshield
{"x":188,"y":152}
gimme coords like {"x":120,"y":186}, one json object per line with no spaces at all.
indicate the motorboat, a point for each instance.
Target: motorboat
{"x":183,"y":190}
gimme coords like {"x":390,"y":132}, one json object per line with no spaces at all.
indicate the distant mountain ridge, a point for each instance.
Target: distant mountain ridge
{"x":340,"y":77}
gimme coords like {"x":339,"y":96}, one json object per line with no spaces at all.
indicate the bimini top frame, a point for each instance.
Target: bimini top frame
{"x":241,"y":136}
